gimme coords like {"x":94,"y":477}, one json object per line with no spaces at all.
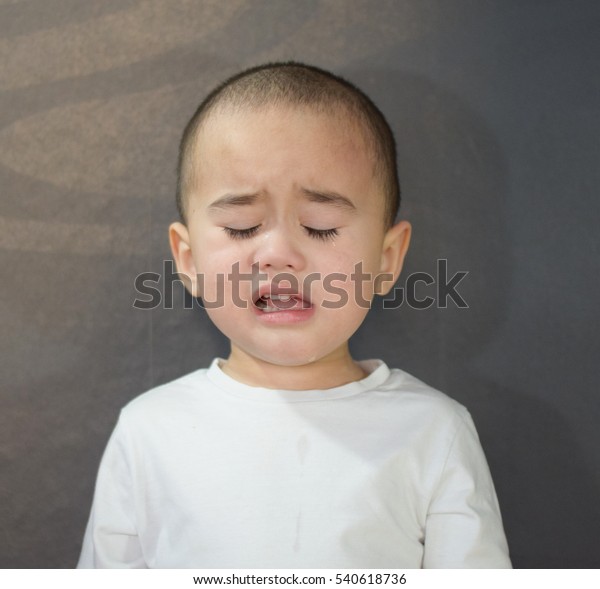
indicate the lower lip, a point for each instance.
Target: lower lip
{"x":285,"y":316}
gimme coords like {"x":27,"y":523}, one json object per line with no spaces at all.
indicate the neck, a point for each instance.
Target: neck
{"x":334,"y":370}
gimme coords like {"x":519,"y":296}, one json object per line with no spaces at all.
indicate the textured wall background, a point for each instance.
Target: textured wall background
{"x":496,"y":108}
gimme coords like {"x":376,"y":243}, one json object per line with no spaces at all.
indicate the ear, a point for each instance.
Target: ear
{"x":395,"y":246}
{"x":179,"y":239}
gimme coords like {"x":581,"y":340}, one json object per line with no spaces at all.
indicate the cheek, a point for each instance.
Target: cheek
{"x":211,"y":285}
{"x":223,"y":273}
{"x":353,"y":272}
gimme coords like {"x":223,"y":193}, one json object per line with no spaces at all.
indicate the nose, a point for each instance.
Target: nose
{"x":277,"y":251}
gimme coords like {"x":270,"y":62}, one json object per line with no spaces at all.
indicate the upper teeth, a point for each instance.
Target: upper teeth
{"x":274,"y":297}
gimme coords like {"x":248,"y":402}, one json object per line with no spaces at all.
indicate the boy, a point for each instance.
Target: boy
{"x":290,"y":454}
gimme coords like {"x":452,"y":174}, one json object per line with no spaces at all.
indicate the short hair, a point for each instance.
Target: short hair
{"x":297,"y":84}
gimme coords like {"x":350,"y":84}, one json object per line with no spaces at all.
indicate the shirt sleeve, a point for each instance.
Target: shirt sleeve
{"x":111,"y":539}
{"x":464,"y":526}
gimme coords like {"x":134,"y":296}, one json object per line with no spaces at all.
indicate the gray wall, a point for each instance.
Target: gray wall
{"x":496,"y":108}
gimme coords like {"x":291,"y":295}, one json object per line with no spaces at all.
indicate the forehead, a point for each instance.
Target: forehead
{"x":295,"y":140}
{"x":335,"y":125}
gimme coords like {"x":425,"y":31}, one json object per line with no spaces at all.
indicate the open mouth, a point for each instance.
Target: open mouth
{"x":273,"y":303}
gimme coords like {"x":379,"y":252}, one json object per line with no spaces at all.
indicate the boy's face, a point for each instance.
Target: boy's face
{"x":291,"y":193}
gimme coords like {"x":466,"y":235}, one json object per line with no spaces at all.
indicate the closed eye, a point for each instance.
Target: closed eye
{"x":241,"y":233}
{"x":323,"y":234}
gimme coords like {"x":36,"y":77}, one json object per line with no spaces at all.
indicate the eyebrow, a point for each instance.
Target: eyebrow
{"x":330,"y":198}
{"x":233,"y":200}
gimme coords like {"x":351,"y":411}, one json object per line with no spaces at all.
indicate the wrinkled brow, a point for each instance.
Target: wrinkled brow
{"x":330,"y":198}
{"x":232,"y":200}
{"x":317,"y":196}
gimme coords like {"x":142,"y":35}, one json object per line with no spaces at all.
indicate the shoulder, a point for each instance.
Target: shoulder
{"x":410,"y":388}
{"x":423,"y":425}
{"x":403,"y":393}
{"x":174,"y":397}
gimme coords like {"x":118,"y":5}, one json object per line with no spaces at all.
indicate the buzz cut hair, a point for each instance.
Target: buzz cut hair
{"x":295,"y":84}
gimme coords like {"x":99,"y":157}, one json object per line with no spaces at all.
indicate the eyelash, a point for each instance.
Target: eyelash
{"x":241,"y":233}
{"x":322,"y":234}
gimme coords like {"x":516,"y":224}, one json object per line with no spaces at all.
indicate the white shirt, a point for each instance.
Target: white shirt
{"x":206,"y":472}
